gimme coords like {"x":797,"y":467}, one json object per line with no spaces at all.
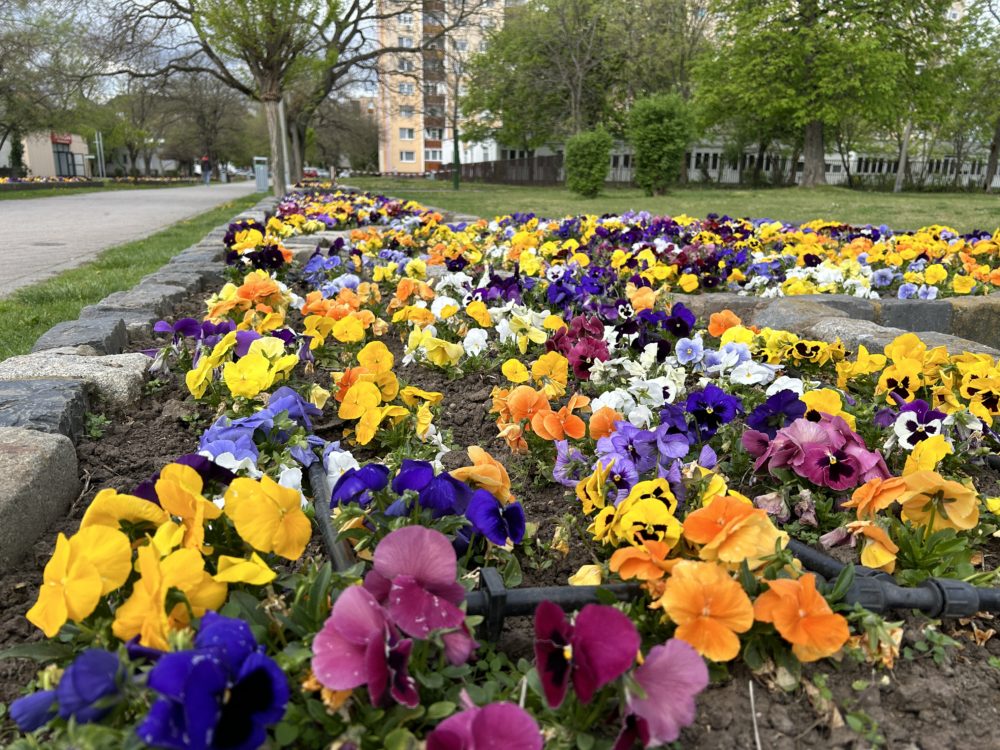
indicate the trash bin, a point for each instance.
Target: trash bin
{"x":260,"y":173}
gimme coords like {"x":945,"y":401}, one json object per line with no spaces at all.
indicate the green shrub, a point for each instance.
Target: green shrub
{"x":659,"y":129}
{"x":587,"y":156}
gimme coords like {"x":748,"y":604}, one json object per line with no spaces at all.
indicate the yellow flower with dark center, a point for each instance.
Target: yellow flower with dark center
{"x":904,"y":378}
{"x":591,"y":491}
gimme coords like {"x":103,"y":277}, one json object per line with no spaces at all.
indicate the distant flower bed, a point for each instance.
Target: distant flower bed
{"x":685,"y":455}
{"x":43,"y":181}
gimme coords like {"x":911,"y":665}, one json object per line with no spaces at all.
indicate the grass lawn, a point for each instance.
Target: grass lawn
{"x":963,"y":211}
{"x":32,"y":310}
{"x":13,"y":195}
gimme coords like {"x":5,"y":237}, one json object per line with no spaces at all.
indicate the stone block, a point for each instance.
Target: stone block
{"x":794,"y":314}
{"x":976,"y":318}
{"x":39,"y":481}
{"x":875,"y":337}
{"x":703,"y":305}
{"x":916,"y":315}
{"x":854,"y":307}
{"x":189,"y":280}
{"x":105,"y":333}
{"x":138,"y":323}
{"x":157,"y":298}
{"x":115,"y":379}
{"x":56,"y":406}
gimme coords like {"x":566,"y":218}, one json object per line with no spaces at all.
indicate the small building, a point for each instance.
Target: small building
{"x":52,"y":154}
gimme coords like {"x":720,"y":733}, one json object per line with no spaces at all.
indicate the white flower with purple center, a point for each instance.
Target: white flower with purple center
{"x":913,"y":427}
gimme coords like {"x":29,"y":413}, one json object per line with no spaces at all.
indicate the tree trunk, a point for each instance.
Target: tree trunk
{"x":991,"y":164}
{"x":793,"y":166}
{"x":274,"y":136}
{"x":297,"y":131}
{"x":758,"y":163}
{"x":814,"y":172}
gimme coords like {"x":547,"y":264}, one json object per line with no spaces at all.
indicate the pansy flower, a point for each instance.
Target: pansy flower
{"x":596,"y":648}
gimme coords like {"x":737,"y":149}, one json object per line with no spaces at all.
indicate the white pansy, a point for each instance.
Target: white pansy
{"x":646,"y":392}
{"x":668,"y":387}
{"x":618,"y":399}
{"x":641,"y":417}
{"x":475,"y":342}
{"x":785,"y":383}
{"x":751,"y":373}
{"x":291,"y":477}
{"x":441,"y":302}
{"x":245,"y":467}
{"x":336,"y":463}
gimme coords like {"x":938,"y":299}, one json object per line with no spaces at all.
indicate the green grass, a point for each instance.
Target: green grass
{"x":32,"y":310}
{"x":963,"y":211}
{"x":13,"y":195}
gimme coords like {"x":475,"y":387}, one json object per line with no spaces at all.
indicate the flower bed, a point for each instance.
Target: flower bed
{"x":541,"y":420}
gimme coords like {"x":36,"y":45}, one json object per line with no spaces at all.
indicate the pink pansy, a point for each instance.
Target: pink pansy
{"x":670,"y":677}
{"x":592,"y":651}
{"x":414,"y":577}
{"x":498,"y":726}
{"x":358,"y":646}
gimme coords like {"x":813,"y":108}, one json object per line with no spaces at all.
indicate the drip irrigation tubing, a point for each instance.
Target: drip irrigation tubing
{"x":875,"y":590}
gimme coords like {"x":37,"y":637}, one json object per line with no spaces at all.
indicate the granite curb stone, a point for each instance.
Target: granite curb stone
{"x":39,"y":480}
{"x":46,"y":405}
{"x":105,"y":333}
{"x":116,"y":379}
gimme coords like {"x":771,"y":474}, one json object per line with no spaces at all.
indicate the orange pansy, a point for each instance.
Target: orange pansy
{"x":602,"y":422}
{"x":647,"y":562}
{"x":524,"y":402}
{"x":486,"y":472}
{"x":722,"y":321}
{"x":875,"y":495}
{"x":803,"y":617}
{"x":709,"y":607}
{"x":731,"y":531}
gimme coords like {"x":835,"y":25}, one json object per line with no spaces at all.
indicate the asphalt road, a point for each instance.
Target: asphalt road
{"x":43,"y":236}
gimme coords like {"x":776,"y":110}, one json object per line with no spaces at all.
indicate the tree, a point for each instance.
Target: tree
{"x":262,"y":48}
{"x":586,"y":162}
{"x":544,"y":75}
{"x":811,"y":62}
{"x":345,"y":129}
{"x":659,"y":129}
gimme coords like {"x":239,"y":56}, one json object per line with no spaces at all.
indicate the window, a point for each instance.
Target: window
{"x":406,"y":111}
{"x":435,"y":112}
{"x":432,"y":154}
{"x":434,"y":134}
{"x":461,"y":44}
{"x":406,"y":134}
{"x":406,"y":65}
{"x":408,"y":156}
{"x":434,"y":88}
{"x":406,"y":20}
{"x":482,"y":45}
{"x":405,"y":41}
{"x":406,"y":88}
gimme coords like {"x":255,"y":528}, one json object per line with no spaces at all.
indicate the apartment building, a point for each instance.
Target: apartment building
{"x":418,"y":91}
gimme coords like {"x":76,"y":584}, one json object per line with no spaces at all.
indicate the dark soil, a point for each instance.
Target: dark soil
{"x":919,"y":705}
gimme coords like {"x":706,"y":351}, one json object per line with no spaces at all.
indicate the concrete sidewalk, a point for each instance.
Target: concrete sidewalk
{"x":43,"y":236}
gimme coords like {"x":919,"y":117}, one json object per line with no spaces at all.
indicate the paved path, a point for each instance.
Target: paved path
{"x":42,"y":236}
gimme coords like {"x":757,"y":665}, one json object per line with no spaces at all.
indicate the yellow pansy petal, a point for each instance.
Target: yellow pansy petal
{"x":514,"y":371}
{"x":587,"y":575}
{"x":109,"y":550}
{"x":237,"y":570}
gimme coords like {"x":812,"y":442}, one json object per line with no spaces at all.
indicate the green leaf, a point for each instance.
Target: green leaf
{"x":399,"y":739}
{"x":584,"y":741}
{"x":843,"y":584}
{"x":285,"y":734}
{"x":440,"y":710}
{"x":43,"y":651}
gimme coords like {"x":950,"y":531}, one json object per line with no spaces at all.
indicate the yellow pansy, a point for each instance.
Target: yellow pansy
{"x":93,"y":562}
{"x":359,"y":399}
{"x":179,"y":491}
{"x":412,"y":395}
{"x":248,"y":376}
{"x":927,"y":454}
{"x":515,"y":371}
{"x":688,"y":282}
{"x":962,"y":284}
{"x":376,"y":358}
{"x":197,"y":380}
{"x":237,"y":570}
{"x":587,"y":575}
{"x":109,"y":508}
{"x":268,"y":516}
{"x":478,"y":312}
{"x":349,"y":330}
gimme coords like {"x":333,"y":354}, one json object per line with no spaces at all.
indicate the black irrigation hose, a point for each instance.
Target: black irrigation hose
{"x":340,"y":554}
{"x":878,"y":591}
{"x":874,"y":590}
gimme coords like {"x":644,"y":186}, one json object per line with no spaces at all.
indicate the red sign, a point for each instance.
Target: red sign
{"x":62,"y":138}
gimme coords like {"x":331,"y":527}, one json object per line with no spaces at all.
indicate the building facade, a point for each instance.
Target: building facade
{"x":52,"y":154}
{"x":418,"y":92}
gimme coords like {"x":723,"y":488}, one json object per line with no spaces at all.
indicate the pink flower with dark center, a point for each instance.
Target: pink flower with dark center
{"x":584,"y":353}
{"x":599,"y":646}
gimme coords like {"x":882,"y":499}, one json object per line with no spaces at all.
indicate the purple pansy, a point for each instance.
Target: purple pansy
{"x":492,"y":727}
{"x":495,"y":521}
